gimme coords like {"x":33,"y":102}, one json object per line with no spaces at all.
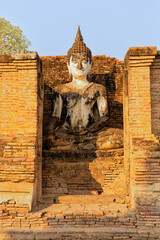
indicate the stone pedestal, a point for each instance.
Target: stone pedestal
{"x":81,"y":165}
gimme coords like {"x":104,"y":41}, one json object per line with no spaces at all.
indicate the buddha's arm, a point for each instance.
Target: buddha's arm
{"x":57,"y":104}
{"x":102,"y":103}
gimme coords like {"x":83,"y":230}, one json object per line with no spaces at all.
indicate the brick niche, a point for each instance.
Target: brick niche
{"x":85,"y":171}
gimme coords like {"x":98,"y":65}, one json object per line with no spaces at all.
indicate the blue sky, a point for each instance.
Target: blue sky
{"x":109,"y":27}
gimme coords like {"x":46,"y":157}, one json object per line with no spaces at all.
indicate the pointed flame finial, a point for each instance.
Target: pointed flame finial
{"x":79,"y":37}
{"x":79,"y":47}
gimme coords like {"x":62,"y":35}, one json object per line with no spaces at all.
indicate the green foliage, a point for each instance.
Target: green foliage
{"x":11,"y":38}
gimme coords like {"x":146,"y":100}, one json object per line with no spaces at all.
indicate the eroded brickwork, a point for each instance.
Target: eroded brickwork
{"x":21,"y":106}
{"x":83,"y":173}
{"x":141,"y":103}
{"x":155,"y":95}
{"x":108,"y":222}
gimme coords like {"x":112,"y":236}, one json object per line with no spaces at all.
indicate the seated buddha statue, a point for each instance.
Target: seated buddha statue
{"x":78,"y":106}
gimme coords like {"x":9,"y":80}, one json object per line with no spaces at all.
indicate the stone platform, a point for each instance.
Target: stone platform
{"x":111,"y":221}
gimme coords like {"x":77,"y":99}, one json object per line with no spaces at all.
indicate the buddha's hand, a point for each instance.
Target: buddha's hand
{"x":49,"y":136}
{"x":49,"y":141}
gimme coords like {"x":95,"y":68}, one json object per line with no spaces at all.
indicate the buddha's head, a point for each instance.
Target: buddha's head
{"x":79,"y":58}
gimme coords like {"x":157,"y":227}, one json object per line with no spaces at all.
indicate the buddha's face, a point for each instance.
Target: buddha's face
{"x":79,"y":66}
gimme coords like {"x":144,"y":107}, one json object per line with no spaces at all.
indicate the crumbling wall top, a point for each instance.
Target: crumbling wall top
{"x":25,"y":55}
{"x":142,"y":51}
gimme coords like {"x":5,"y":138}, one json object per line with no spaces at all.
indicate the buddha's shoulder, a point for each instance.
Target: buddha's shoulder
{"x":97,"y":87}
{"x":94,"y":89}
{"x":62,"y":88}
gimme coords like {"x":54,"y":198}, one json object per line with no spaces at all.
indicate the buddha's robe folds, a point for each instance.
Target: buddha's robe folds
{"x":83,"y":106}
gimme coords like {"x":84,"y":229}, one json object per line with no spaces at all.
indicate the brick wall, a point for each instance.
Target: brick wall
{"x":21,"y":97}
{"x":155,"y":95}
{"x":141,"y":114}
